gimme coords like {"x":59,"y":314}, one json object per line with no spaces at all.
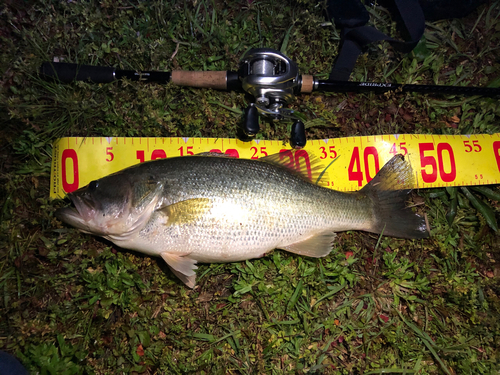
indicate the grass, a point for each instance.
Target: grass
{"x":74,"y":304}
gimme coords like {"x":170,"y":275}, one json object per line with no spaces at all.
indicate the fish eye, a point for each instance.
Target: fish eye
{"x":93,"y":185}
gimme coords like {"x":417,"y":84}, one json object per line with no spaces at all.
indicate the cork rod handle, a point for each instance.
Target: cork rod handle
{"x":210,"y":79}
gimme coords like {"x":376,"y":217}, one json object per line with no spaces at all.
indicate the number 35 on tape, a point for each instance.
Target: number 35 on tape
{"x":437,"y":160}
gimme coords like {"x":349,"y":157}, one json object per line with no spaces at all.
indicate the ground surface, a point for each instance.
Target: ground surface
{"x":71,"y":303}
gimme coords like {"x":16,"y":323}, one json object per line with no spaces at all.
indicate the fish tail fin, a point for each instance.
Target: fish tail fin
{"x":388,"y":191}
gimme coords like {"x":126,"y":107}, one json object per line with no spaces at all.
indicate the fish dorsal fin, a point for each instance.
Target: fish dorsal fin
{"x":216,"y":154}
{"x":187,"y":211}
{"x":182,"y":266}
{"x":300,"y":163}
{"x":316,"y":246}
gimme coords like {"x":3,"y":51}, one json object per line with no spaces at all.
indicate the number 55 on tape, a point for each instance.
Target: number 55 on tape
{"x":437,"y":160}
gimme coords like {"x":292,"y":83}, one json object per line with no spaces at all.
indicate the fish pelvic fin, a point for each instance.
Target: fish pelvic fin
{"x":183,"y":267}
{"x":388,"y":191}
{"x":317,"y":246}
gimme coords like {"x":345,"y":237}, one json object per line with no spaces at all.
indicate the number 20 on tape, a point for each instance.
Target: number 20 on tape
{"x":436,"y":160}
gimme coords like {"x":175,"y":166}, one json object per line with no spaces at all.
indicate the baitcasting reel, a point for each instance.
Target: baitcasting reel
{"x":272,"y":79}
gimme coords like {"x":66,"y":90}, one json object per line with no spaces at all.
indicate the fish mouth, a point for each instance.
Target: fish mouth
{"x":79,"y":214}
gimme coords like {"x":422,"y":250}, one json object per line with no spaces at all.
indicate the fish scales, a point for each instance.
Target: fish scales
{"x":255,"y":208}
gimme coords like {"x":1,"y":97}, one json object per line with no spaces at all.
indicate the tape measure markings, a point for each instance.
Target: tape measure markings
{"x":438,"y":160}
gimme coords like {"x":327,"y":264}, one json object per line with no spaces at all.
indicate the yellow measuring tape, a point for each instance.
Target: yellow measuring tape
{"x":437,"y":160}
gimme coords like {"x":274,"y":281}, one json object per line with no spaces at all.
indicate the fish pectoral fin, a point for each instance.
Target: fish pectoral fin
{"x":316,"y":246}
{"x":183,"y":267}
{"x":187,"y":211}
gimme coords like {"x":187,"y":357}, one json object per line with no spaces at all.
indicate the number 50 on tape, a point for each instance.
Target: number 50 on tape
{"x":437,"y":160}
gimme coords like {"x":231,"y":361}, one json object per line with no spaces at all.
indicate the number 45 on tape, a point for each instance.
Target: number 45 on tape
{"x":437,"y":160}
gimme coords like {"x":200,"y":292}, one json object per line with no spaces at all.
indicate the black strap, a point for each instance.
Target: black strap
{"x":352,"y":17}
{"x":445,"y":9}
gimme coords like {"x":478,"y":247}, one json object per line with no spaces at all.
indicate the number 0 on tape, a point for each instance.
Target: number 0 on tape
{"x":437,"y":160}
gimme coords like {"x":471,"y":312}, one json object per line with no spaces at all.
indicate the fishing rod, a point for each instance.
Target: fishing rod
{"x":270,"y":77}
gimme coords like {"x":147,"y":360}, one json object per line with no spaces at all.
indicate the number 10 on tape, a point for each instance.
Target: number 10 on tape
{"x":437,"y":160}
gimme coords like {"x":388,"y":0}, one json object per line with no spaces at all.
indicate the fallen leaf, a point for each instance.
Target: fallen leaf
{"x":205,"y":297}
{"x":384,"y":318}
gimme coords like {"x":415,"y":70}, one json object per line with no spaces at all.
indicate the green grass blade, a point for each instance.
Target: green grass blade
{"x":482,"y":207}
{"x":487,"y":192}
{"x":295,"y":297}
{"x":427,"y":342}
{"x":284,"y":45}
{"x":324,"y":170}
{"x":334,"y":291}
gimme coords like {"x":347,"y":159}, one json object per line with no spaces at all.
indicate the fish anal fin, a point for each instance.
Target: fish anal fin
{"x":183,"y":267}
{"x":300,"y":163}
{"x":187,"y":211}
{"x":316,"y":246}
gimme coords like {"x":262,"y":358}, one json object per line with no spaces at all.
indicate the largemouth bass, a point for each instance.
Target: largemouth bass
{"x":209,"y":208}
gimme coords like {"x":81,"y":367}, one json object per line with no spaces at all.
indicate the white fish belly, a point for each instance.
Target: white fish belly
{"x":230,"y":231}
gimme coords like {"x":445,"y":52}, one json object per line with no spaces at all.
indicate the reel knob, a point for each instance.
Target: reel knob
{"x":250,"y":124}
{"x":298,"y":136}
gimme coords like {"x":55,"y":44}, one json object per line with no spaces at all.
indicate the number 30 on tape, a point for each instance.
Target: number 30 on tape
{"x":437,"y":160}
